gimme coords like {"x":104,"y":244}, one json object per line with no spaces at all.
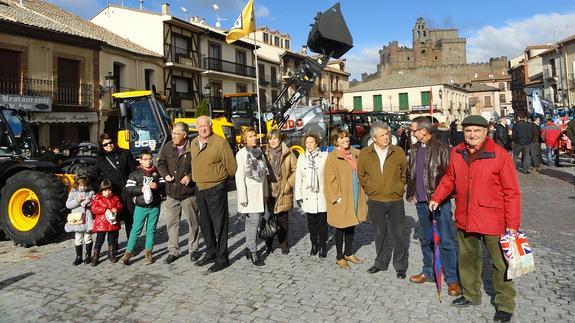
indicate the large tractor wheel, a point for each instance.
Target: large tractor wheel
{"x":33,"y":207}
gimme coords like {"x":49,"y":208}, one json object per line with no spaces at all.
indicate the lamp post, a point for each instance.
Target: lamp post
{"x":109,"y":82}
{"x":440,"y":93}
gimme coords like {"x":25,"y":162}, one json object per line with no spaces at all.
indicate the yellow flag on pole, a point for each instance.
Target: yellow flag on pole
{"x":244,"y":25}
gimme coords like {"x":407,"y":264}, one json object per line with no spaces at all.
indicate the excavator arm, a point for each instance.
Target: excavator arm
{"x":328,"y":37}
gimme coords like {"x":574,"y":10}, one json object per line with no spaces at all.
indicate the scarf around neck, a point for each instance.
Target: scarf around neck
{"x":256,"y":167}
{"x":346,"y":154}
{"x":314,"y":176}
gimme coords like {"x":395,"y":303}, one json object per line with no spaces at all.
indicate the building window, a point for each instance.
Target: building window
{"x":262,"y":72}
{"x":118,"y":69}
{"x":181,"y":85}
{"x":215,"y":51}
{"x":274,"y":75}
{"x":148,"y":79}
{"x":266,"y":38}
{"x":276,"y":41}
{"x":425,"y":98}
{"x":10,"y":72}
{"x":181,"y":46}
{"x":487,"y":100}
{"x":263,"y":99}
{"x":241,"y":88}
{"x":357,"y":103}
{"x":403,"y":101}
{"x":502,"y":86}
{"x":274,"y":95}
{"x":286,"y":44}
{"x":502,"y":97}
{"x":377,"y":103}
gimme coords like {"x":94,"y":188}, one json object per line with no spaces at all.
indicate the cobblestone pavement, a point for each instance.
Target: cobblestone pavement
{"x":40,"y":284}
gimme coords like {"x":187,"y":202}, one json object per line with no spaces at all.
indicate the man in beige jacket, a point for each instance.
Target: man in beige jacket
{"x":212,"y":164}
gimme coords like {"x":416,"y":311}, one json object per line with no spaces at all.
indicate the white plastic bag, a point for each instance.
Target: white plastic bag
{"x":148,"y":197}
{"x":518,"y":254}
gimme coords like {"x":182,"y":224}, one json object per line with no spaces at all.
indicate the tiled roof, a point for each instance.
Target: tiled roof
{"x":47,"y":16}
{"x":478,"y":87}
{"x":393,"y":81}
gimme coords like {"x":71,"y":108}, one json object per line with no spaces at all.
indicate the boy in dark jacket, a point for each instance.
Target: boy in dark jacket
{"x":143,"y":187}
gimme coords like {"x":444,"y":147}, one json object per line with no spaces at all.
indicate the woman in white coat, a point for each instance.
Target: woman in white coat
{"x":252,"y":190}
{"x":309,"y":192}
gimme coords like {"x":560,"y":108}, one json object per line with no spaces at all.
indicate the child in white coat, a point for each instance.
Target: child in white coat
{"x":79,"y":200}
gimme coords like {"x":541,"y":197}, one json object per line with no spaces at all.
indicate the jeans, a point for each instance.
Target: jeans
{"x":251,"y":231}
{"x":550,"y":153}
{"x":448,"y":251}
{"x":144,"y":216}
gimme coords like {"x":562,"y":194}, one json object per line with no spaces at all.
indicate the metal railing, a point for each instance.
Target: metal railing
{"x":73,"y":94}
{"x":183,"y":56}
{"x":221,"y":65}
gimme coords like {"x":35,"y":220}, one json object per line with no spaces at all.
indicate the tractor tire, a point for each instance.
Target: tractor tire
{"x":33,"y":207}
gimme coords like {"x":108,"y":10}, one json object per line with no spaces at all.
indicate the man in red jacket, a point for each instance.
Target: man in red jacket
{"x":550,"y":135}
{"x":487,"y":202}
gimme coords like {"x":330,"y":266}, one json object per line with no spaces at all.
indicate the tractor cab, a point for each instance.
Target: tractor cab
{"x":143,"y":122}
{"x":16,"y":138}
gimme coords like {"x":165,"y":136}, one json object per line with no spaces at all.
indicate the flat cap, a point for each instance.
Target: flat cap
{"x":474,"y":120}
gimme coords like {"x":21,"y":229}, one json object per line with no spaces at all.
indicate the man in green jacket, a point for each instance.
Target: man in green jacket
{"x":382,"y":172}
{"x":212,"y":164}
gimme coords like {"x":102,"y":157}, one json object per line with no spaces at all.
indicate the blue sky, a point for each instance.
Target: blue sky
{"x":492,"y":28}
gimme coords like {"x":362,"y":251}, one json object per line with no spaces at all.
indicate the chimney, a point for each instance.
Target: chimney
{"x":166,"y":9}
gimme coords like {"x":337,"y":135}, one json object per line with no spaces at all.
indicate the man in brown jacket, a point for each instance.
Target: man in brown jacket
{"x":175,"y":166}
{"x":382,"y":172}
{"x":212,"y":164}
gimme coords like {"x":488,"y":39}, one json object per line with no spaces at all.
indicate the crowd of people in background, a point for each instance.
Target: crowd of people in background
{"x":341,"y":189}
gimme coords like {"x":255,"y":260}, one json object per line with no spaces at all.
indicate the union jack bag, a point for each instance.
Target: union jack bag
{"x":517,"y":253}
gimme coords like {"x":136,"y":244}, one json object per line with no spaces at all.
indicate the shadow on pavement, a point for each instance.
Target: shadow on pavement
{"x":564,"y":175}
{"x":9,"y":281}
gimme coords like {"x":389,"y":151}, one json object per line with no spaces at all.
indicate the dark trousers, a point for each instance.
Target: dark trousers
{"x":317,"y":225}
{"x":112,"y":239}
{"x":339,"y":237}
{"x":284,"y":226}
{"x":213,"y":219}
{"x":393,"y":213}
{"x":536,"y":154}
{"x":525,"y":151}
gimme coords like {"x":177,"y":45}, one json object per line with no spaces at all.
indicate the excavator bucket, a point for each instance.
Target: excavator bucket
{"x":329,"y":34}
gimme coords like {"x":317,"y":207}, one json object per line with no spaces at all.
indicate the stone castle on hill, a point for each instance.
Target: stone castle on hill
{"x":437,"y":54}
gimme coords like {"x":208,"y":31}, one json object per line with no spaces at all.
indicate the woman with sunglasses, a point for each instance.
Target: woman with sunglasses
{"x":115,"y":164}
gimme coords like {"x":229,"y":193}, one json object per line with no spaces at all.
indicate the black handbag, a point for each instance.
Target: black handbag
{"x":268,"y":228}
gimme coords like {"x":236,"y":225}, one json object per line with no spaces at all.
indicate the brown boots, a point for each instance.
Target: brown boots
{"x":126,"y":258}
{"x":96,"y":257}
{"x":112,"y":255}
{"x":148,"y":260}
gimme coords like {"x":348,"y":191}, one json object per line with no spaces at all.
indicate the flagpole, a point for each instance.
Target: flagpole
{"x":257,"y":79}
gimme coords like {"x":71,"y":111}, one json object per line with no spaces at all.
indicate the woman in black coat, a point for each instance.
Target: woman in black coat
{"x":115,"y":165}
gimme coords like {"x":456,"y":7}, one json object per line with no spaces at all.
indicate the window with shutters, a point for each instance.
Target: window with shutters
{"x":377,"y":103}
{"x":403,"y":101}
{"x":357,"y":103}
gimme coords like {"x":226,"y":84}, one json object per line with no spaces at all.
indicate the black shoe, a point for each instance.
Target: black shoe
{"x":218,"y":266}
{"x":501,"y":316}
{"x":269,"y":248}
{"x":194,"y":256}
{"x":285,"y":251}
{"x":78,"y":259}
{"x":373,"y":270}
{"x":461,"y":302}
{"x":323,"y":251}
{"x":401,"y":275}
{"x":88,"y":258}
{"x":170,"y":258}
{"x":204,"y":261}
{"x":256,"y":260}
{"x":314,"y":250}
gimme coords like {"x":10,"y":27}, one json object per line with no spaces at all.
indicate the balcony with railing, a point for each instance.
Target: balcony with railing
{"x":70,"y":94}
{"x":220,"y":65}
{"x":549,"y":73}
{"x":274,"y":81}
{"x":183,"y":56}
{"x":264,"y":79}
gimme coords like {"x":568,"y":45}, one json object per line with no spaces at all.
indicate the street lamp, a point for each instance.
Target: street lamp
{"x":109,"y":82}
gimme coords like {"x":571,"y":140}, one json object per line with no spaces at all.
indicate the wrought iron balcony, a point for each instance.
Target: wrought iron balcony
{"x":221,"y":65}
{"x":71,"y":94}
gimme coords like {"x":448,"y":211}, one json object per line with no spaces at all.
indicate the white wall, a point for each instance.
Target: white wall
{"x":143,"y":28}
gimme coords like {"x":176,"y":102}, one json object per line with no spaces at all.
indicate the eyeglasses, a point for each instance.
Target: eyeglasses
{"x":178,"y":133}
{"x":106,"y":144}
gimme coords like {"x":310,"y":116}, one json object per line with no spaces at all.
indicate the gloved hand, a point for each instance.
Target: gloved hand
{"x":299,"y":203}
